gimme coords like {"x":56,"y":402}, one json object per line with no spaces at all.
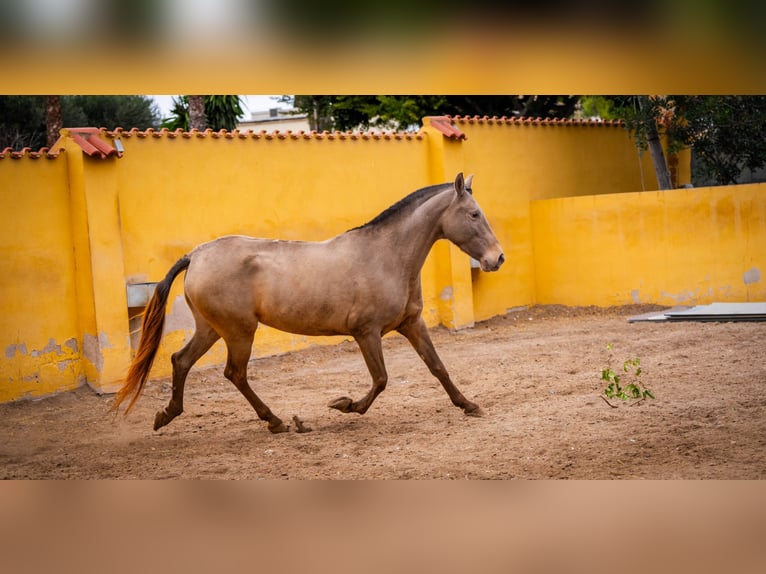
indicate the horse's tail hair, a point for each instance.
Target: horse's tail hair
{"x":151,"y":335}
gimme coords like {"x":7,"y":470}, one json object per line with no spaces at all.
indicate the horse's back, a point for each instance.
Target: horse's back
{"x":301,"y":287}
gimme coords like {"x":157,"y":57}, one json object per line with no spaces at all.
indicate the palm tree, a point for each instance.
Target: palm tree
{"x":197,"y":118}
{"x":53,"y":121}
{"x":216,"y":112}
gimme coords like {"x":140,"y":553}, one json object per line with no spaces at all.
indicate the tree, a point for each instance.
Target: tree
{"x":550,"y":106}
{"x":24,"y":119}
{"x":197,"y":118}
{"x":53,"y":119}
{"x":318,"y":110}
{"x":223,"y":112}
{"x":22,"y":122}
{"x":406,"y":111}
{"x":641,"y":115}
{"x":111,"y":111}
{"x":726,"y":134}
{"x":179,"y":115}
{"x":646,"y":106}
{"x":216,"y":112}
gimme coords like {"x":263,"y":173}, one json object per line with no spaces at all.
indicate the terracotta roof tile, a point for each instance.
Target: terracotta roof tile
{"x":92,"y":142}
{"x":530,"y":121}
{"x":262,"y":134}
{"x":444,"y":125}
{"x":47,"y":153}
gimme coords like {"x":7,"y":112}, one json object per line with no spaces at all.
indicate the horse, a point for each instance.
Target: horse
{"x":362,"y":283}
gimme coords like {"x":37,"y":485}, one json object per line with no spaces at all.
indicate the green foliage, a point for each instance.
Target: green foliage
{"x":404,"y":112}
{"x":22,"y":122}
{"x":598,"y":107}
{"x":617,"y":387}
{"x":548,"y":106}
{"x":318,"y":110}
{"x":109,"y":112}
{"x":22,"y":118}
{"x":179,"y":115}
{"x":222,"y":113}
{"x":641,"y":116}
{"x":726,"y":133}
{"x":348,"y":112}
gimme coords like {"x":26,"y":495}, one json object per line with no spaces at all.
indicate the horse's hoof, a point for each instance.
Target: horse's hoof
{"x":343,"y":404}
{"x":278,"y":427}
{"x":299,"y":426}
{"x":160,"y":420}
{"x":474,"y":411}
{"x":166,"y":415}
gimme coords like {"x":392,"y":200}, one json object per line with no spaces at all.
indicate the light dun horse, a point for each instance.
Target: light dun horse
{"x":364,"y":283}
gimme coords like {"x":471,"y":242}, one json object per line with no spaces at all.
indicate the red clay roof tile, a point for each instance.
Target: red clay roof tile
{"x":27,"y":152}
{"x":445,"y":126}
{"x":251,"y":134}
{"x":530,"y":121}
{"x":92,"y":142}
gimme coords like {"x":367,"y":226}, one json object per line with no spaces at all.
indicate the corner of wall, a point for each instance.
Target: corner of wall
{"x":102,"y":309}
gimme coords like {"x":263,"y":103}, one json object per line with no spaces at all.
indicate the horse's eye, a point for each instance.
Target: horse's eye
{"x":475,"y":215}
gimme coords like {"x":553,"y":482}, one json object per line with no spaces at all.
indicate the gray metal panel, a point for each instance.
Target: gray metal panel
{"x":755,"y":311}
{"x":140,"y":293}
{"x":724,"y":309}
{"x":714,"y":312}
{"x":655,"y":315}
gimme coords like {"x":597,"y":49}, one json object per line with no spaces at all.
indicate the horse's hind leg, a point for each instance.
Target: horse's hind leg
{"x":416,"y":333}
{"x":183,"y":360}
{"x":236,"y":371}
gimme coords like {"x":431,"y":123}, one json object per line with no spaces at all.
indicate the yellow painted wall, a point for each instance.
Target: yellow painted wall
{"x":518,"y":162}
{"x":99,"y":250}
{"x":678,"y":247}
{"x":39,"y":332}
{"x":561,"y":159}
{"x":495,"y":152}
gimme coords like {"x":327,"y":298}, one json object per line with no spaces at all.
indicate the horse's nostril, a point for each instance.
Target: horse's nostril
{"x":500,"y":260}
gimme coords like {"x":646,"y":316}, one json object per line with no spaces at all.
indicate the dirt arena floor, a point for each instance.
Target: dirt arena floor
{"x":535,"y":372}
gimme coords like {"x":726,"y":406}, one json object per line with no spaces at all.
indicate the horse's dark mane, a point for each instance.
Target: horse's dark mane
{"x":411,"y":201}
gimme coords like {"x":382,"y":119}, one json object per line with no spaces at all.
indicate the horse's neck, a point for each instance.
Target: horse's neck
{"x":413,"y":235}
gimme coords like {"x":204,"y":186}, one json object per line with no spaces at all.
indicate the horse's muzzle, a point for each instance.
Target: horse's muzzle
{"x":492,"y":264}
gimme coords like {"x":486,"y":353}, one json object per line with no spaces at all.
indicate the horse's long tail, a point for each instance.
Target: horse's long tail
{"x":151,"y":335}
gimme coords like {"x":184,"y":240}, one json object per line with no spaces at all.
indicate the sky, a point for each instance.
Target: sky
{"x":251,"y":103}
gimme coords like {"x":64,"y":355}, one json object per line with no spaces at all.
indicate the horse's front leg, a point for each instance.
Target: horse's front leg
{"x":416,"y":332}
{"x":372,"y":351}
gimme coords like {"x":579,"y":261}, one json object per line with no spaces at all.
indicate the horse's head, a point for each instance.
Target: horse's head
{"x":464,"y":223}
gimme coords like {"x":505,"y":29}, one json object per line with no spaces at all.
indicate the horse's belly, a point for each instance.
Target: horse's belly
{"x":303,"y":328}
{"x":304,"y":314}
{"x":333,"y":314}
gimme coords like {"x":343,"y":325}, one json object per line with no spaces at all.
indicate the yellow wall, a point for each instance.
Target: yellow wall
{"x":545,"y":160}
{"x":39,"y":333}
{"x":679,"y":247}
{"x":517,"y":162}
{"x":79,"y":230}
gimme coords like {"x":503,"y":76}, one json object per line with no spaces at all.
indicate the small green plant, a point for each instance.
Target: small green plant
{"x":617,"y":387}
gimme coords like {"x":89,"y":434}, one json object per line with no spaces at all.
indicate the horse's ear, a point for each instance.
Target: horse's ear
{"x":459,"y":184}
{"x":468,"y":181}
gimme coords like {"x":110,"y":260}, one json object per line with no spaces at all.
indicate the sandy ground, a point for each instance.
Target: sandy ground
{"x":535,"y":373}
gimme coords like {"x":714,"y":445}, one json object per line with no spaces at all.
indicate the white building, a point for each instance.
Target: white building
{"x":275,"y":119}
